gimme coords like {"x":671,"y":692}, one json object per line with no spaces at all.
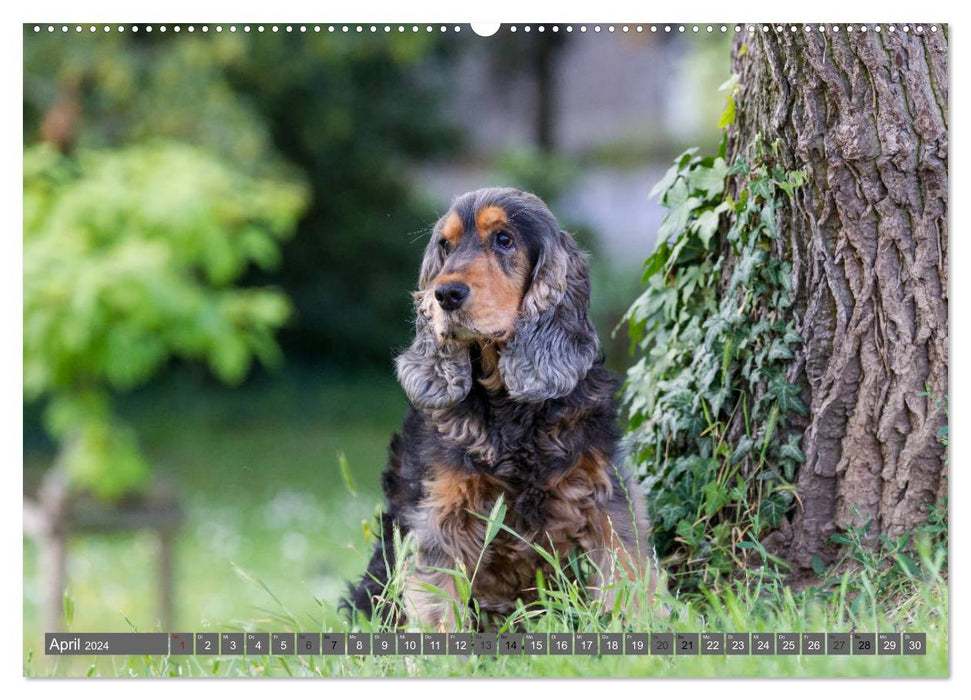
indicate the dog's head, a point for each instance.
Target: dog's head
{"x":499,"y":273}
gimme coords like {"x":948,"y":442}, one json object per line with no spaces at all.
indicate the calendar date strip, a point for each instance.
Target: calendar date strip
{"x":480,"y":643}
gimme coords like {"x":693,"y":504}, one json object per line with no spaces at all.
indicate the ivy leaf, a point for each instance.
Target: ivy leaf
{"x":785,"y":186}
{"x":740,"y":167}
{"x":786,"y":394}
{"x":687,"y":157}
{"x":729,"y":84}
{"x":791,"y":450}
{"x":705,"y":226}
{"x":691,"y":533}
{"x":656,"y":261}
{"x":680,"y":164}
{"x":742,"y":449}
{"x":790,"y":456}
{"x":716,"y":497}
{"x":791,"y":337}
{"x":665,"y":182}
{"x":779,"y":351}
{"x":680,"y":207}
{"x":718,"y":399}
{"x":675,"y":252}
{"x":747,"y":266}
{"x":772,"y":509}
{"x":796,"y":404}
{"x":728,"y":116}
{"x":791,"y":182}
{"x":710,"y":180}
{"x":760,"y":188}
{"x":768,"y":220}
{"x":670,"y":513}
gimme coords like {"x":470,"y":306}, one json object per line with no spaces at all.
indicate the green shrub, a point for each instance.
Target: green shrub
{"x":129,"y":260}
{"x":709,"y":400}
{"x":352,"y":112}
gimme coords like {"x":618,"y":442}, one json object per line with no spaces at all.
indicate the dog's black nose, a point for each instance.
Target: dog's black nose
{"x":451,"y":295}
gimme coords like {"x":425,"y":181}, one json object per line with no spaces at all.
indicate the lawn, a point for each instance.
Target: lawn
{"x":258,"y":472}
{"x":273,"y":528}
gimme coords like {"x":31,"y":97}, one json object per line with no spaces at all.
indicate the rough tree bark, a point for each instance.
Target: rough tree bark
{"x":864,"y":115}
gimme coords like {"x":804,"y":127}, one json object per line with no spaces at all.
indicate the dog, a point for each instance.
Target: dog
{"x":508,"y":397}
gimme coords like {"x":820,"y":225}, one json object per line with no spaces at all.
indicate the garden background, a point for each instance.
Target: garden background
{"x":222,"y":230}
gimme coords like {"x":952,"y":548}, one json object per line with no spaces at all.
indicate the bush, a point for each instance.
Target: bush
{"x":352,"y":112}
{"x":129,"y":260}
{"x":709,"y":399}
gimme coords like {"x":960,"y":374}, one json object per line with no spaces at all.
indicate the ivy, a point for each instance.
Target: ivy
{"x":709,"y":402}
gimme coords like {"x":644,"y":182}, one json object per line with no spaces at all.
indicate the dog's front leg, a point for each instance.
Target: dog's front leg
{"x":619,"y":546}
{"x":430,"y":597}
{"x":616,"y":562}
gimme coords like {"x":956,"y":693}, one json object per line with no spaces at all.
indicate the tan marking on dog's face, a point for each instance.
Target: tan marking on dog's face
{"x":452,"y":229}
{"x":495,"y":297}
{"x":488,"y":219}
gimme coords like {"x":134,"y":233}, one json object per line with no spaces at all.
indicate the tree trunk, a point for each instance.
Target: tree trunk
{"x":864,"y":115}
{"x":545,"y":54}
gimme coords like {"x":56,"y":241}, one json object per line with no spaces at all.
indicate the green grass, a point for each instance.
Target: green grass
{"x":272,"y":530}
{"x":258,"y":473}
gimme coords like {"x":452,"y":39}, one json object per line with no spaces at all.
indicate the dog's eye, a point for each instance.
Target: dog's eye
{"x":504,"y":240}
{"x":443,"y":243}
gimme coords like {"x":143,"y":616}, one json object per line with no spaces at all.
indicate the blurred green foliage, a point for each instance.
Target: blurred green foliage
{"x":348,"y":111}
{"x":129,"y":259}
{"x":352,"y":112}
{"x":186,"y":195}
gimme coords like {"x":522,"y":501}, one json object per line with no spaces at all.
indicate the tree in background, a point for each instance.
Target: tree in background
{"x":130,"y":256}
{"x":348,"y":111}
{"x":352,"y":113}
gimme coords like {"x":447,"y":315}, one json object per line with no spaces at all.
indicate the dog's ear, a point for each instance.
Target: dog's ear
{"x":554,"y":344}
{"x":433,"y":374}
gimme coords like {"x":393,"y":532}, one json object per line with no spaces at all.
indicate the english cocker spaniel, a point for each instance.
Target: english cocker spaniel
{"x":508,"y":397}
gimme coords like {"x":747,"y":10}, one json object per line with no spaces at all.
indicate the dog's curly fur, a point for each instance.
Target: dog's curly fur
{"x":508,"y":397}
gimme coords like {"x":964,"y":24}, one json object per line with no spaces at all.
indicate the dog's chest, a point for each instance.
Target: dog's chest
{"x":555,"y":511}
{"x":513,"y":442}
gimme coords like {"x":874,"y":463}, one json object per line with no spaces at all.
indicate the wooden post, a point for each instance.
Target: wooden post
{"x":59,"y":512}
{"x":166,"y":540}
{"x":53,"y":559}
